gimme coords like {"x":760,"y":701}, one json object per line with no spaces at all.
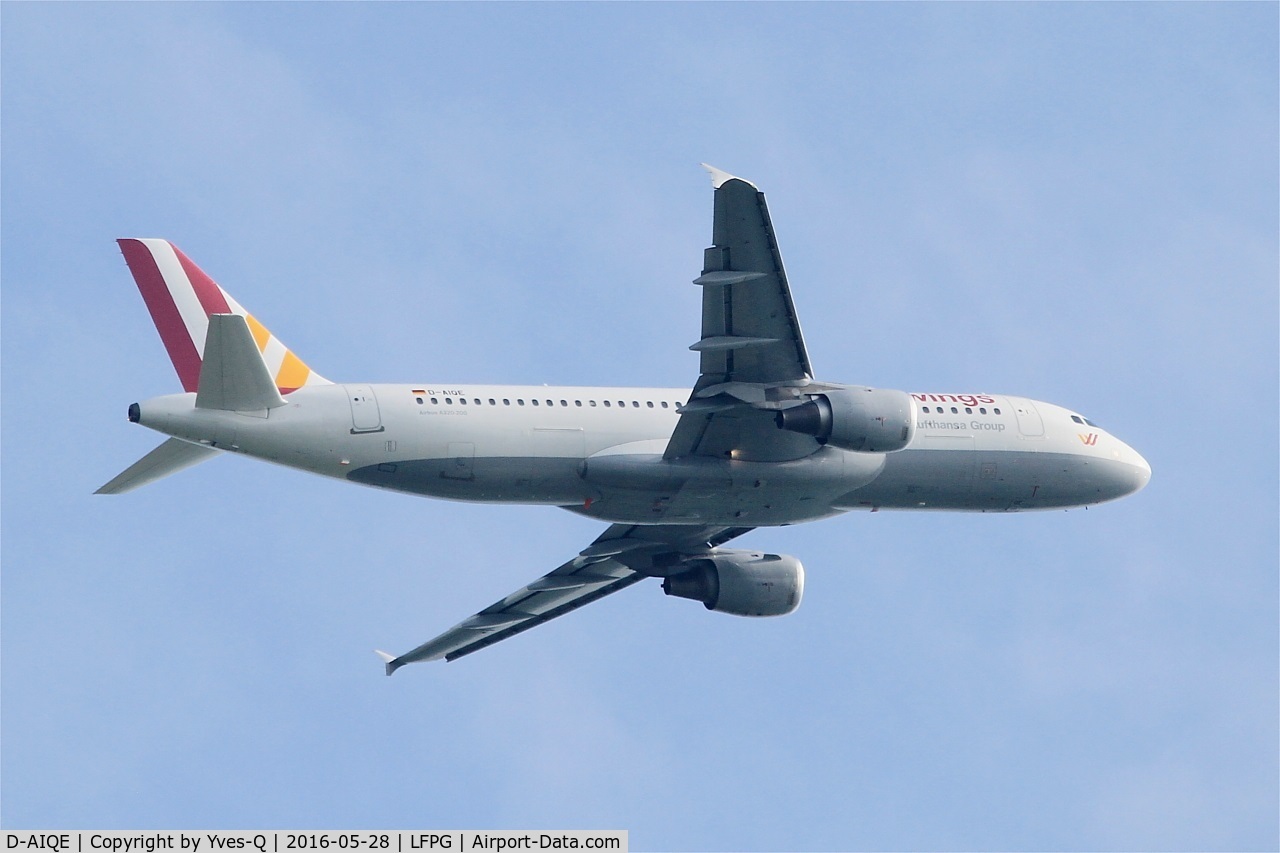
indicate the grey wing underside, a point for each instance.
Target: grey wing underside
{"x":623,"y":555}
{"x":753,"y":356}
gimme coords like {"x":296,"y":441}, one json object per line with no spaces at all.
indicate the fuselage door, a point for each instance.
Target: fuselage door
{"x":1030,"y":423}
{"x":365,"y":416}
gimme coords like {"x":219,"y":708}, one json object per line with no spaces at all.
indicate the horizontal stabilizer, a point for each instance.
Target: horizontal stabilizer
{"x":169,"y":458}
{"x":233,"y":376}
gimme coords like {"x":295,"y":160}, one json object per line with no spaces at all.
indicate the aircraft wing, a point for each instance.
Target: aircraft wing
{"x":752,"y":350}
{"x":623,"y":555}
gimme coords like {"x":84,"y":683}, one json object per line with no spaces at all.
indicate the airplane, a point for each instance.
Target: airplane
{"x":677,"y":473}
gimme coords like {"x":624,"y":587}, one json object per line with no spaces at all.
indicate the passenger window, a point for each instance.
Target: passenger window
{"x":492,"y":402}
{"x":535,"y":402}
{"x":591,"y":403}
{"x":982,"y":411}
{"x":607,"y":404}
{"x":564,"y":402}
{"x":462,"y":401}
{"x":448,"y":401}
{"x":954,"y":411}
{"x":519,"y":401}
{"x":434,"y":401}
{"x":506,"y":401}
{"x":649,"y":404}
{"x":968,"y":411}
{"x":664,"y":404}
{"x":578,"y":403}
{"x":997,"y":411}
{"x":550,"y":403}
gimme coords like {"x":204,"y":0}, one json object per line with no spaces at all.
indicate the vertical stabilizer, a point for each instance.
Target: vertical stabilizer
{"x":181,"y":298}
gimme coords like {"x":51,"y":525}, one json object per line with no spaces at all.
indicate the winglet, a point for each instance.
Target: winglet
{"x":719,"y":177}
{"x":389,"y":660}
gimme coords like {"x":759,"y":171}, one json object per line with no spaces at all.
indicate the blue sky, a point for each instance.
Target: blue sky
{"x":1075,"y":202}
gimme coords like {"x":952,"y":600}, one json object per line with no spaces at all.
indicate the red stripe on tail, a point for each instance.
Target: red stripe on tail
{"x":207,"y":291}
{"x":164,"y":313}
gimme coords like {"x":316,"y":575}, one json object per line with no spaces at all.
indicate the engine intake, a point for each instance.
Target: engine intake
{"x":744,"y":583}
{"x":868,"y":420}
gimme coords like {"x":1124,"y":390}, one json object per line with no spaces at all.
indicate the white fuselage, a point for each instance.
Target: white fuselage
{"x":599,"y":452}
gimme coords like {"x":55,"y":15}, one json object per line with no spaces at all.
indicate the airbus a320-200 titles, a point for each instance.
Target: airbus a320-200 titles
{"x":677,"y":473}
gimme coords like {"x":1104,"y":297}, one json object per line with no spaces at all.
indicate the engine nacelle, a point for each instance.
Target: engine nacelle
{"x":744,"y":583}
{"x":869,"y":420}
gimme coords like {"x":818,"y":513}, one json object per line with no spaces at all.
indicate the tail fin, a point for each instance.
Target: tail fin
{"x":181,"y":298}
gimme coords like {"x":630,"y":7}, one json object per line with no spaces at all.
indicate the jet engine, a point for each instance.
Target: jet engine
{"x":870,"y":420}
{"x":744,"y":583}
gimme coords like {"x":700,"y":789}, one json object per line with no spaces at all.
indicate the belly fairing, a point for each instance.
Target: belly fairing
{"x":640,"y":487}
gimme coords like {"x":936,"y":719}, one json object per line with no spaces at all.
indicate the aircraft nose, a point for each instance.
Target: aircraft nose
{"x":1142,"y":472}
{"x":1134,"y":472}
{"x":1116,"y":472}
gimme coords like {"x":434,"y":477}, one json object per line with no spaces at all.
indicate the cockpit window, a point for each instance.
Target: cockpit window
{"x":1084,"y":421}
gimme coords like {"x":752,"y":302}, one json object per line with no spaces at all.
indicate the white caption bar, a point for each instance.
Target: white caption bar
{"x":300,"y":841}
